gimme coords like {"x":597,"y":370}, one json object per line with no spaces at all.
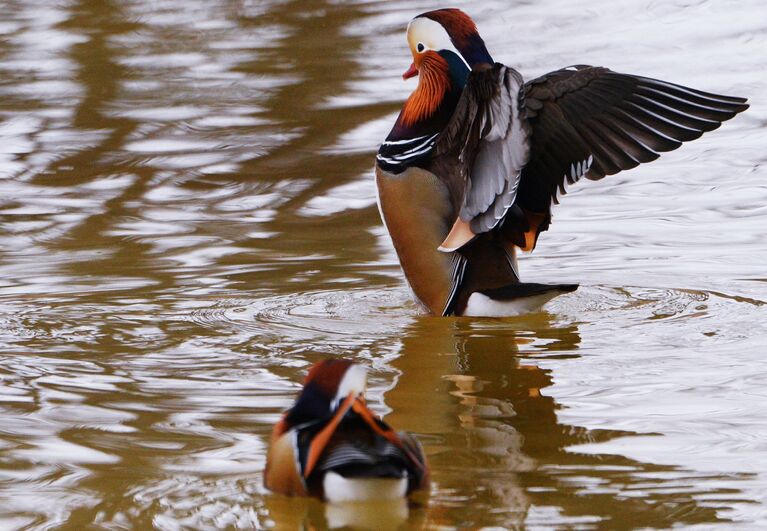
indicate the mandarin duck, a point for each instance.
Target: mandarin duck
{"x":330,"y":445}
{"x":476,"y":157}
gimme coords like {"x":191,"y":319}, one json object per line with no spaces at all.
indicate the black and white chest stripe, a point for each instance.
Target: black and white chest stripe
{"x":396,"y":155}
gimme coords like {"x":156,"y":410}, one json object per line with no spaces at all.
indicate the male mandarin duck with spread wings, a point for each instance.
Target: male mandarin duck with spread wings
{"x":477,"y":156}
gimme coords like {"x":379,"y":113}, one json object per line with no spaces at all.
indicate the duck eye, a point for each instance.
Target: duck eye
{"x":420,"y":47}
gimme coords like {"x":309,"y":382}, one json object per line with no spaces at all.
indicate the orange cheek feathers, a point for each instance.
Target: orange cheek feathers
{"x":433,"y":84}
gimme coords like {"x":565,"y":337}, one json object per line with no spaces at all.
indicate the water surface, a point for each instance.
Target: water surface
{"x":188,"y":221}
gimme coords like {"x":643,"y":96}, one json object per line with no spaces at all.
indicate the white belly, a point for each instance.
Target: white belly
{"x":339,"y":489}
{"x":480,"y":305}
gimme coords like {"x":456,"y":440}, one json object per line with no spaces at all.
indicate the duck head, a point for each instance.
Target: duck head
{"x":449,"y":32}
{"x":328,"y":383}
{"x":445,"y":46}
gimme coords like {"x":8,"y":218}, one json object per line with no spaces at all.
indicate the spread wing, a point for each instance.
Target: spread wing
{"x":482,"y":151}
{"x":589,"y":121}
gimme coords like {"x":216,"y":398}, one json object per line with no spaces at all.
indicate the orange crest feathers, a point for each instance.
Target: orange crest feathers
{"x":458,"y":24}
{"x":433,"y":84}
{"x":327,"y":375}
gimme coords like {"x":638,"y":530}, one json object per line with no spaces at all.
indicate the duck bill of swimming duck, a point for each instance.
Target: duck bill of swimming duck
{"x":330,"y":445}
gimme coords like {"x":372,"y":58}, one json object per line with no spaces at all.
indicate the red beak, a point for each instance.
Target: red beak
{"x":410,"y":72}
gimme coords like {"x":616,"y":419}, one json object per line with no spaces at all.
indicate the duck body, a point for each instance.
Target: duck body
{"x":329,"y":445}
{"x":469,"y":172}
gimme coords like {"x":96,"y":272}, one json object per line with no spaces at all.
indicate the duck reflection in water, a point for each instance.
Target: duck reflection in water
{"x":475,"y":394}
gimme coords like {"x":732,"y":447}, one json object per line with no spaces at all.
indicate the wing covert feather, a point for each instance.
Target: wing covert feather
{"x":590,"y":121}
{"x":512,"y":145}
{"x":485,"y":146}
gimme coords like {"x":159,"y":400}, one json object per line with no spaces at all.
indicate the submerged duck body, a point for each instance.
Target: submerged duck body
{"x":329,"y":445}
{"x":469,"y":172}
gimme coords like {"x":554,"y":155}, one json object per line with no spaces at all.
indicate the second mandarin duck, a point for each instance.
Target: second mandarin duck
{"x":331,"y":446}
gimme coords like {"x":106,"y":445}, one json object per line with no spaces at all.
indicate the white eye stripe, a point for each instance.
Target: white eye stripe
{"x":354,"y":381}
{"x":432,"y":35}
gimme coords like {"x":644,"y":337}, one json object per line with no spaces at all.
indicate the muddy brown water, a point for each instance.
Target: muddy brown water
{"x":188,"y":220}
